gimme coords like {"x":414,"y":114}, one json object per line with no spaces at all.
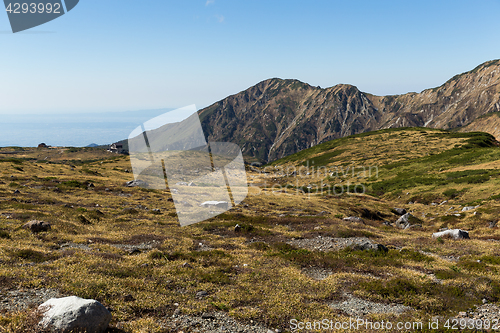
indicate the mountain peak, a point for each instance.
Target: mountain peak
{"x":278,"y":117}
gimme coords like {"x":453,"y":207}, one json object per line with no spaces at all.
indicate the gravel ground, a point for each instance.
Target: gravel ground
{"x":147,"y":246}
{"x":218,"y":322}
{"x":15,"y":300}
{"x":357,"y":307}
{"x":483,"y":312}
{"x":326,"y":244}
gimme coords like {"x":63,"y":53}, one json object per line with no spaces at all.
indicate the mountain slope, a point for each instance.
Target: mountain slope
{"x":276,"y":117}
{"x":489,"y":123}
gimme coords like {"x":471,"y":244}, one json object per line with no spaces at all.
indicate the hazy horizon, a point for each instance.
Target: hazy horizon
{"x":74,"y":130}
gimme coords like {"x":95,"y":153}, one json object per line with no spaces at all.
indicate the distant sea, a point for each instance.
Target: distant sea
{"x":71,"y":130}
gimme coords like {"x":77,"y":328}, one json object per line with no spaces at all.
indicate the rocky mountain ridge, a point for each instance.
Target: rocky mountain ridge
{"x":277,"y":117}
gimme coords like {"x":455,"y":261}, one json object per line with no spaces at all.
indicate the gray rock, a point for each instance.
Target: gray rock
{"x":75,"y":314}
{"x":201,"y":293}
{"x":399,"y":211}
{"x":206,"y":315}
{"x":134,"y":183}
{"x":370,"y":246}
{"x":404,"y":221}
{"x":493,"y":224}
{"x":467,"y":208}
{"x":353,"y":219}
{"x":452,"y":233}
{"x":37,"y":226}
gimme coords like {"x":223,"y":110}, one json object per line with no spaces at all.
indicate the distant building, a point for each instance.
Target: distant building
{"x":117,"y":148}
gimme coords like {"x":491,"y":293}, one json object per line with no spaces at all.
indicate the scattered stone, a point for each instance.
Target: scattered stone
{"x":181,"y":184}
{"x":442,"y":203}
{"x":186,"y":265}
{"x":367,"y":246}
{"x":134,"y":251}
{"x":205,"y":315}
{"x":452,"y":233}
{"x":399,"y":211}
{"x":191,"y":184}
{"x":156,"y":211}
{"x":467,"y":208}
{"x":201,"y":294}
{"x":404,"y":221}
{"x":74,"y":313}
{"x":17,"y":192}
{"x":493,"y":224}
{"x":218,"y":204}
{"x":37,"y":226}
{"x":353,"y":219}
{"x":134,"y":183}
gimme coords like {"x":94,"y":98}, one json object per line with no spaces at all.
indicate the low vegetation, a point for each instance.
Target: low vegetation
{"x":124,"y":247}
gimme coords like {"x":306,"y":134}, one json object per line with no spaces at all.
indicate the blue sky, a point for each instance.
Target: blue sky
{"x":119,"y":55}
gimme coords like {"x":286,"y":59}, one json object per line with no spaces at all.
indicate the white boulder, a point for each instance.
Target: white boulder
{"x":75,"y":314}
{"x":452,"y":233}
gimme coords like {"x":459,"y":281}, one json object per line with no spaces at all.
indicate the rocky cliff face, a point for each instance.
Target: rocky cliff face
{"x":276,"y":117}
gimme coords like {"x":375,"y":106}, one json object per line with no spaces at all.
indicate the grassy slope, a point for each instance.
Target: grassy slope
{"x":419,"y":165}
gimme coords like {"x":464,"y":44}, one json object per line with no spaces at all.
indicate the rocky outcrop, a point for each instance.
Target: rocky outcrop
{"x":36,"y":226}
